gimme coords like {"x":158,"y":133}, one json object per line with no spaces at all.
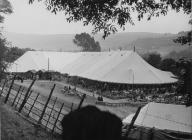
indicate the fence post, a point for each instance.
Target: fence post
{"x":46,"y":104}
{"x":72,"y":107}
{"x":26,"y":96}
{"x":57,"y":117}
{"x":132,"y":121}
{"x":51,"y":111}
{"x":29,"y":94}
{"x":6,"y":98}
{"x":16,"y":95}
{"x":33,"y":104}
{"x":19,"y":98}
{"x":3,"y":87}
{"x":81,"y":102}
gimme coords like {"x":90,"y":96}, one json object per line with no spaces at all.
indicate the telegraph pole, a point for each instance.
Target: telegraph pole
{"x":48,"y":64}
{"x":134,"y":48}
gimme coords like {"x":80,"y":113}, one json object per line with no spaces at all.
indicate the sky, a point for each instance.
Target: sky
{"x":35,"y":19}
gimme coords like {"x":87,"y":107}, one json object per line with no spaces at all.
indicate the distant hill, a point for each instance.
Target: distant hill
{"x":144,"y":42}
{"x":42,"y":42}
{"x":162,"y":45}
{"x":187,"y":53}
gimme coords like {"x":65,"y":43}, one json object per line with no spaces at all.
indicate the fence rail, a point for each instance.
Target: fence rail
{"x":47,"y":111}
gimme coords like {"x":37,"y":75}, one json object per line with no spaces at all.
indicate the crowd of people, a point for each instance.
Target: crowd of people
{"x":134,"y":93}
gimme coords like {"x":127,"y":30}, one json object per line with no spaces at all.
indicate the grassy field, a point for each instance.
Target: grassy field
{"x":15,"y":127}
{"x":44,"y":87}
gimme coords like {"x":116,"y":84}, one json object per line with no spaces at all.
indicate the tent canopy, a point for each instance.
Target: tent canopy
{"x":164,"y":116}
{"x":114,"y":66}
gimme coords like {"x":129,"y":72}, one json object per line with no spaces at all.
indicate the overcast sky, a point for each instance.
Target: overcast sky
{"x":35,"y":19}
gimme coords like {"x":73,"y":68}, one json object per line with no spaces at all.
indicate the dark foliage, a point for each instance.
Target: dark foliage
{"x":89,"y":123}
{"x":87,"y":43}
{"x":168,"y":64}
{"x":8,"y":55}
{"x":5,"y":8}
{"x":185,"y":68}
{"x":184,"y":39}
{"x":13,"y":53}
{"x":106,"y":15}
{"x":185,"y":79}
{"x":154,"y":59}
{"x":187,"y":53}
{"x":3,"y":50}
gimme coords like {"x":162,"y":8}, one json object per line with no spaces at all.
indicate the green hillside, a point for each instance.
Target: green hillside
{"x":144,"y":42}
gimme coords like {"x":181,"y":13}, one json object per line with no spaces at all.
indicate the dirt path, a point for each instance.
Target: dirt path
{"x":15,"y":127}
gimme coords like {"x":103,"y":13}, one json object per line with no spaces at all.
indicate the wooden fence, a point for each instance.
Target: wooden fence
{"x":46,"y":111}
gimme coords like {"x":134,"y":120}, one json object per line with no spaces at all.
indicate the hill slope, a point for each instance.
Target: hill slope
{"x":144,"y":42}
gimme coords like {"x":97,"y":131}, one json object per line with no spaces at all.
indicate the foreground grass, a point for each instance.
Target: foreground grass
{"x":14,"y":127}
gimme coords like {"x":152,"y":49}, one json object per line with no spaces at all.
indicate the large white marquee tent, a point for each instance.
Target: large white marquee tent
{"x":114,"y":66}
{"x":164,"y":117}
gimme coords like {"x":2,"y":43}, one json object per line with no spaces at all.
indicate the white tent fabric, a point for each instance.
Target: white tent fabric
{"x":115,"y":66}
{"x":128,"y":68}
{"x":38,"y":60}
{"x":57,"y":60}
{"x":164,"y":116}
{"x":26,"y":62}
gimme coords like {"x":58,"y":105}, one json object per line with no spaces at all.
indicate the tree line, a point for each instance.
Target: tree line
{"x":181,"y":68}
{"x":8,"y":54}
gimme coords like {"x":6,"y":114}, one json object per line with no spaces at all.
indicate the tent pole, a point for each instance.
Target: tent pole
{"x":132,"y":122}
{"x":48,"y":64}
{"x":133,"y":83}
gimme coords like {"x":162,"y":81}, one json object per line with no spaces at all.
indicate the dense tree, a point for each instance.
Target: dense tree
{"x":180,"y":54}
{"x":185,"y":78}
{"x":154,"y":59}
{"x":87,"y":42}
{"x":168,"y":64}
{"x":14,"y":52}
{"x":107,"y":15}
{"x":185,"y":67}
{"x":184,"y":37}
{"x":5,"y":8}
{"x":3,"y":50}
